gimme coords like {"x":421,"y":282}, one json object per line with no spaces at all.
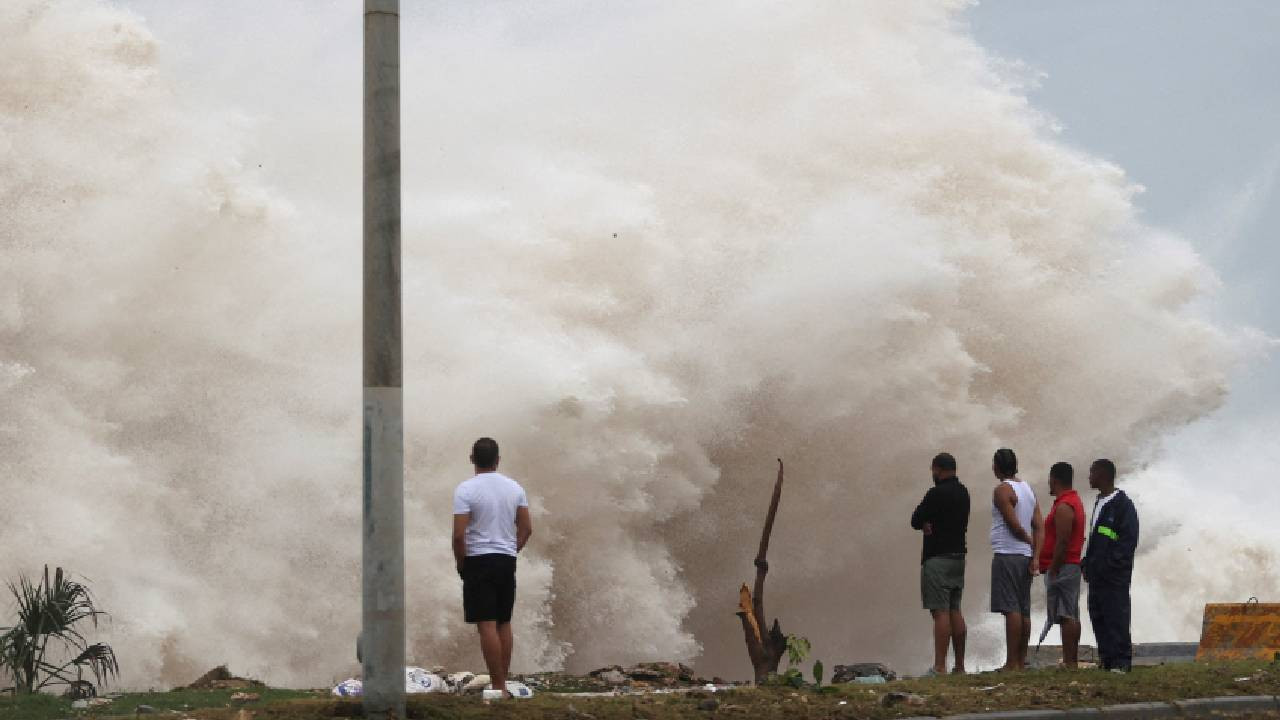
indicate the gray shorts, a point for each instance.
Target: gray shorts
{"x":942,"y":582}
{"x":1011,"y":584}
{"x":1062,"y":594}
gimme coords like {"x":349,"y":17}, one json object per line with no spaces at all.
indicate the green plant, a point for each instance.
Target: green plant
{"x":817,"y":673}
{"x":50,"y":614}
{"x":797,"y":650}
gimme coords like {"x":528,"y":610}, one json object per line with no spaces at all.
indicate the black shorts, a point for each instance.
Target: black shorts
{"x":488,"y":588}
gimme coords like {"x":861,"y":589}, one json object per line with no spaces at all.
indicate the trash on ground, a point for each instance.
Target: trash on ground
{"x":850,"y":673}
{"x":418,"y":681}
{"x":220,"y":678}
{"x":894,"y":698}
{"x":349,"y":688}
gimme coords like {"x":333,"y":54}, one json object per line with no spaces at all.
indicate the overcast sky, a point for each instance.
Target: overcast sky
{"x":1184,"y":95}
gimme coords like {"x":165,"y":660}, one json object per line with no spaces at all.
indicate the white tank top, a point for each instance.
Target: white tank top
{"x":1003,"y":541}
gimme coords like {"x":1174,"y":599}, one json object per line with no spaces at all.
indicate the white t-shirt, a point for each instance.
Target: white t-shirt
{"x":491,"y":500}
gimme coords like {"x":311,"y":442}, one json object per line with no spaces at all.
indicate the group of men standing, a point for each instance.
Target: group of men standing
{"x":1064,"y":547}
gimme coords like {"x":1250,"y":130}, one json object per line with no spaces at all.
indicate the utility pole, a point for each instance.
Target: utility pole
{"x":382,"y":639}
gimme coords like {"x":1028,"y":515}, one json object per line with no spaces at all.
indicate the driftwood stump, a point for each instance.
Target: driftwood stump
{"x":764,"y":649}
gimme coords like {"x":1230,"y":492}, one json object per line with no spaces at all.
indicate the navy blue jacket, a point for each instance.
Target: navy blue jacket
{"x":1112,"y":544}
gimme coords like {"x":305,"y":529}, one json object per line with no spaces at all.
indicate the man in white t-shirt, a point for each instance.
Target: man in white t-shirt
{"x":491,"y":525}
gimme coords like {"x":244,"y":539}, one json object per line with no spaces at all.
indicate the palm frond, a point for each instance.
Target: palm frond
{"x":51,"y":612}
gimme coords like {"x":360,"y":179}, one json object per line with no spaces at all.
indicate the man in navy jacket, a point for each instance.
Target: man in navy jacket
{"x":1108,"y":567}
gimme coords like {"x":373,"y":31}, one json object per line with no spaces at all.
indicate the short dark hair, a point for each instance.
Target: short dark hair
{"x":1063,"y":473}
{"x":944,"y":461}
{"x":484,"y":454}
{"x":1107,"y":467}
{"x":1006,"y":462}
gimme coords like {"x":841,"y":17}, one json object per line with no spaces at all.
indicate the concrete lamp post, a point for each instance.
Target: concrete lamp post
{"x":382,"y":640}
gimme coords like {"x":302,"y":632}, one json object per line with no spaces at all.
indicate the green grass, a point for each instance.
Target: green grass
{"x":51,"y":707}
{"x":942,"y":696}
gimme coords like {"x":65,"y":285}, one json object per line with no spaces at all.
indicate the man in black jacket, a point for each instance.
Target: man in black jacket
{"x":1108,"y":567}
{"x":943,"y":517}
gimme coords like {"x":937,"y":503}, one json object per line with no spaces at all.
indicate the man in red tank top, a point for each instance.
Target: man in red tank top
{"x":1060,"y":561}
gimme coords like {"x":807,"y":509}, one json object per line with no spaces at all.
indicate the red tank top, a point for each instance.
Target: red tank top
{"x":1076,"y":544}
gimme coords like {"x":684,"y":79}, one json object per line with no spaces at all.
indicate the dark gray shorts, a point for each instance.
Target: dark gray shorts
{"x":1011,"y":584}
{"x":942,"y":582}
{"x":1062,"y":594}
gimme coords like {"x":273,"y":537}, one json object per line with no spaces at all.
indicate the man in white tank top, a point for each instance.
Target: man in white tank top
{"x":1017,"y":532}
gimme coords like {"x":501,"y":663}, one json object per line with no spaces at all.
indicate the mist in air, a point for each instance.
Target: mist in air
{"x":650,"y":252}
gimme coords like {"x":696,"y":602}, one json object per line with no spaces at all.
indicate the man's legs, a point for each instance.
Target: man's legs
{"x":1070,"y":628}
{"x":941,"y":639}
{"x":504,"y":634}
{"x":1070,"y":642}
{"x":1025,"y":641}
{"x":1013,"y":622}
{"x":959,"y":631}
{"x":1118,"y":616}
{"x":1101,"y":630}
{"x":1064,"y":600}
{"x":491,"y":647}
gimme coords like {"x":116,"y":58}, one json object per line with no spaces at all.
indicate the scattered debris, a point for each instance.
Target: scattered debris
{"x":80,"y":690}
{"x":476,"y":684}
{"x":349,"y":688}
{"x":220,"y":678}
{"x":458,"y":681}
{"x":99,"y":702}
{"x":244,"y":697}
{"x":893,"y":698}
{"x":519,"y":690}
{"x":613,"y":677}
{"x":145,"y":710}
{"x":850,"y":673}
{"x":418,"y":681}
{"x":80,"y":704}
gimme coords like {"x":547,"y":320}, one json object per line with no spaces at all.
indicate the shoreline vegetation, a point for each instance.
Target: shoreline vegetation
{"x":938,"y":696}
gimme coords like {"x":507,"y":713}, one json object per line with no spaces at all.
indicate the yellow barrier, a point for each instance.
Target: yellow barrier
{"x":1240,"y":631}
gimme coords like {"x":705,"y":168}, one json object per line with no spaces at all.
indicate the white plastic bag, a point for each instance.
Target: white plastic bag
{"x":519,"y":690}
{"x":418,"y":681}
{"x":349,"y":688}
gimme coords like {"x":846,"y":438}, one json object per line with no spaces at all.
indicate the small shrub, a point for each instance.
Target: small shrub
{"x":50,"y":615}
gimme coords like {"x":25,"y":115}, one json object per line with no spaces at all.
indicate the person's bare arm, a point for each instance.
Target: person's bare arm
{"x":1063,"y":518}
{"x":524,"y":527}
{"x":460,"y":523}
{"x":1037,"y":533}
{"x":1005,"y":499}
